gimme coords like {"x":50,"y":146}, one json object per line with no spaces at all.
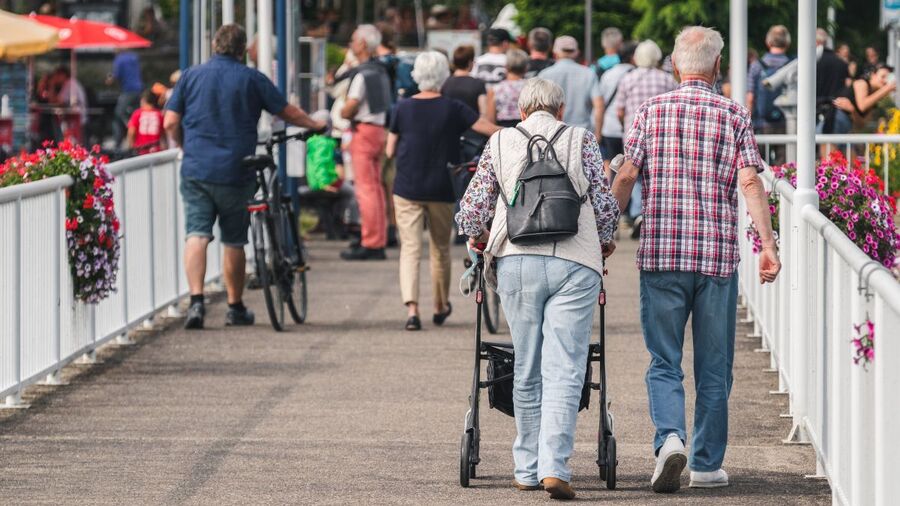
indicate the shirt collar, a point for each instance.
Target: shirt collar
{"x":696,"y":83}
{"x":224,"y":58}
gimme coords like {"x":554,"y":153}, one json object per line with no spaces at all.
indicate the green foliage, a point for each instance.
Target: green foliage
{"x":567,"y":18}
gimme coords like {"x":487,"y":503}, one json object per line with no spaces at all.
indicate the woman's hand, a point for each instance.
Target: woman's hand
{"x":478,"y":244}
{"x":608,"y":249}
{"x":843,"y":103}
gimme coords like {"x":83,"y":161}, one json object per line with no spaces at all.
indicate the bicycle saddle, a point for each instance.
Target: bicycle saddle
{"x":257,"y":162}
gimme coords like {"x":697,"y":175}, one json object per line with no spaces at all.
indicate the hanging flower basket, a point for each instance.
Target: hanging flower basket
{"x":853,"y":199}
{"x":92,"y":228}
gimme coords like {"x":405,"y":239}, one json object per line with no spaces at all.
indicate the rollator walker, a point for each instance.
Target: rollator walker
{"x":500,"y":358}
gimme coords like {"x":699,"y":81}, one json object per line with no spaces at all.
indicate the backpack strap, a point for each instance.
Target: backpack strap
{"x":497,"y":170}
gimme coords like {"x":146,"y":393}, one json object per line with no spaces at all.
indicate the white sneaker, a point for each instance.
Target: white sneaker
{"x":671,"y":461}
{"x":713,"y":479}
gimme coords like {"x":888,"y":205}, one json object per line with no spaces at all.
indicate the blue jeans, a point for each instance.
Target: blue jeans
{"x":634,"y":205}
{"x":667,"y":300}
{"x":549,"y":304}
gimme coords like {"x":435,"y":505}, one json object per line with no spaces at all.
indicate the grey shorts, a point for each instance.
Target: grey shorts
{"x":204,"y":202}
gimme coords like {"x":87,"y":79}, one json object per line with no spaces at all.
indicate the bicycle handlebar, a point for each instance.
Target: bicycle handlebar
{"x":281,"y":137}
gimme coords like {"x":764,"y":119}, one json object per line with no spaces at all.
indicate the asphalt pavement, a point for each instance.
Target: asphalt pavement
{"x":351,"y":409}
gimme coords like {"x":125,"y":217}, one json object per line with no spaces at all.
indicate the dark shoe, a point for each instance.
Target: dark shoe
{"x":413,"y":323}
{"x":195,"y":315}
{"x":238,"y":317}
{"x":360,"y":253}
{"x":525,"y":488}
{"x":440,"y":318}
{"x":392,"y":237}
{"x":636,"y":227}
{"x":558,"y":489}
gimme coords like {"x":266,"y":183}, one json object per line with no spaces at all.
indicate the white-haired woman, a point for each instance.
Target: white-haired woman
{"x":503,"y":97}
{"x":644,"y":82}
{"x":424,"y":137}
{"x":548,"y":291}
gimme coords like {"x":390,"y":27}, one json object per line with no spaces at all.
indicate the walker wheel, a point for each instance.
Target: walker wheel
{"x":611,"y":464}
{"x":466,"y":468}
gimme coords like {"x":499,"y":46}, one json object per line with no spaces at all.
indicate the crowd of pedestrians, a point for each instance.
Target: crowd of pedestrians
{"x":623,"y":129}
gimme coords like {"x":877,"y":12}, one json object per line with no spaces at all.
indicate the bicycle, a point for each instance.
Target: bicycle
{"x":279,"y":253}
{"x":462,"y":173}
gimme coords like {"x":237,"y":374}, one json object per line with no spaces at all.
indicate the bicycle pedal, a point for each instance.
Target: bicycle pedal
{"x":301,"y":268}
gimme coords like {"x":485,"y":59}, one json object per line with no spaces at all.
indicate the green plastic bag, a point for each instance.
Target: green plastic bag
{"x":320,"y":162}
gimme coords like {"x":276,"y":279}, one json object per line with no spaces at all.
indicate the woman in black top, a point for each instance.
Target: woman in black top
{"x":461,"y":85}
{"x":424,"y":137}
{"x":863,"y":98}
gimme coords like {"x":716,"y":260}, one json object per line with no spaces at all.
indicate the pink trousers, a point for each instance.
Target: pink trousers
{"x":366,"y":150}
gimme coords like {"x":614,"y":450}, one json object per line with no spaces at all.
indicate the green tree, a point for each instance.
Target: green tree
{"x":567,"y":18}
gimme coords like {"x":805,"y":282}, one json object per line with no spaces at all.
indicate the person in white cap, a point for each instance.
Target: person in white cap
{"x":579,"y":83}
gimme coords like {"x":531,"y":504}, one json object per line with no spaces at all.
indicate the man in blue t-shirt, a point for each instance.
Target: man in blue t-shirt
{"x":126,"y":71}
{"x":213,"y":113}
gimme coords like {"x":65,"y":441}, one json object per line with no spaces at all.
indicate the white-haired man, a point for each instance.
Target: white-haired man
{"x":644,"y":82}
{"x":579,"y":83}
{"x":692,"y":148}
{"x":611,"y":39}
{"x":548,"y":290}
{"x":368,"y":101}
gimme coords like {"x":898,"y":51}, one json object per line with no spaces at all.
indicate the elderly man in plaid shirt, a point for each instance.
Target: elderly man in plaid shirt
{"x":692,"y":149}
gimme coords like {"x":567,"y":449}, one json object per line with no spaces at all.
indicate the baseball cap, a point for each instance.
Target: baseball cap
{"x":498,"y":35}
{"x":565,"y":44}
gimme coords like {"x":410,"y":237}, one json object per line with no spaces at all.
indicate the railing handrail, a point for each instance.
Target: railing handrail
{"x":831,"y":139}
{"x":142,"y":162}
{"x":880,"y":279}
{"x":40,"y":187}
{"x":780,"y":186}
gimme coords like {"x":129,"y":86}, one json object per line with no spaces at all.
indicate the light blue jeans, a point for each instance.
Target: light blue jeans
{"x":549,"y":304}
{"x":667,"y":300}
{"x":634,"y":205}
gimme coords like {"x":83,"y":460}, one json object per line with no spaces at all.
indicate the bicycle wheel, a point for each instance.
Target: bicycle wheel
{"x":492,"y":311}
{"x":296,"y":291}
{"x":268,"y":266}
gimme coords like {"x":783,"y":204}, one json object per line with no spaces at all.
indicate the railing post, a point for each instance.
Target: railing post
{"x":124,"y":339}
{"x":53,"y":378}
{"x":173,"y":308}
{"x":887,"y":410}
{"x":804,"y":195}
{"x":14,"y":400}
{"x":148,"y":323}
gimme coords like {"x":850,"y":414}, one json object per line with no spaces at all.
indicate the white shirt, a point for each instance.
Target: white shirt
{"x":357,"y":91}
{"x":609,"y":81}
{"x":490,"y":67}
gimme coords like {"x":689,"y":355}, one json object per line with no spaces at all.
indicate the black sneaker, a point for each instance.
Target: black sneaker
{"x":360,"y":253}
{"x":239,"y":317}
{"x":636,"y":227}
{"x":195,"y":314}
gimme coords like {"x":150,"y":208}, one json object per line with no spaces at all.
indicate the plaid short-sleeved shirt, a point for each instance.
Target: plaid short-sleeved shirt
{"x":689,"y":145}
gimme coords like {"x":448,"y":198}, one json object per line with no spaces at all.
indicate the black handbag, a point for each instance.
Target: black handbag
{"x":544,"y":207}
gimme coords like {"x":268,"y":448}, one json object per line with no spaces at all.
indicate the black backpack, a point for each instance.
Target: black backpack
{"x":544,"y":206}
{"x":764,"y":99}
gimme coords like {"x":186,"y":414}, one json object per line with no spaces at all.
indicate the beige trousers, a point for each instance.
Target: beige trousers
{"x":411,"y":216}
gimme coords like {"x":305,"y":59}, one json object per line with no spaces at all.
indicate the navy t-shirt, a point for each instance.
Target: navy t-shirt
{"x":220,"y":103}
{"x":429,"y":131}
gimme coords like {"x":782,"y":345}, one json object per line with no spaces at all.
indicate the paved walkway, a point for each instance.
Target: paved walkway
{"x":348,"y":409}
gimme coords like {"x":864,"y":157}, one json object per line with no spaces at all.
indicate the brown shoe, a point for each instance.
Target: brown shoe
{"x":558,"y":489}
{"x":525,"y":488}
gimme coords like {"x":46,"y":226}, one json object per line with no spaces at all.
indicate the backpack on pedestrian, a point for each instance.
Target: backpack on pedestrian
{"x":764,"y":98}
{"x":544,"y":206}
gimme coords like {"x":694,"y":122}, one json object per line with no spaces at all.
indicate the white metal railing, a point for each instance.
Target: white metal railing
{"x":850,"y":412}
{"x":42,"y":328}
{"x":850,"y":144}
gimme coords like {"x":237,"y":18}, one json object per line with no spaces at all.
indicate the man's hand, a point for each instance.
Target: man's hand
{"x":608,"y":249}
{"x":769,"y":265}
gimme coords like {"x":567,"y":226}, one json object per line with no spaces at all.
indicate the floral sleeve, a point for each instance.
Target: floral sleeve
{"x":606,"y":209}
{"x":476,"y":209}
